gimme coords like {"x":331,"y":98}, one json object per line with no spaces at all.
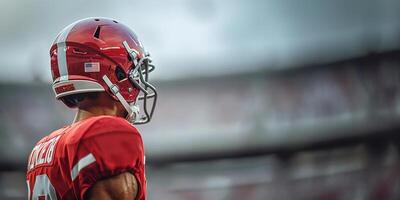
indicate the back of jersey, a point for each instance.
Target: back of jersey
{"x":43,"y":166}
{"x":68,"y":162}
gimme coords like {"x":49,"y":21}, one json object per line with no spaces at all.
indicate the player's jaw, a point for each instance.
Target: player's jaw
{"x":100,"y":104}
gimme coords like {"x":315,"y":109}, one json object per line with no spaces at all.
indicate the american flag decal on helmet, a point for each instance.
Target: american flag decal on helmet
{"x":92,"y":67}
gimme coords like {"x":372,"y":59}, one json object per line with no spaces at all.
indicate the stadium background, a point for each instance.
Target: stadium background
{"x":258,"y":99}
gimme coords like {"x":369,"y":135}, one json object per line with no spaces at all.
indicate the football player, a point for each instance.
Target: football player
{"x":100,"y":67}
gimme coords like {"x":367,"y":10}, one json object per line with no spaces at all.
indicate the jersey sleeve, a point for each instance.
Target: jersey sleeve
{"x":109,"y":147}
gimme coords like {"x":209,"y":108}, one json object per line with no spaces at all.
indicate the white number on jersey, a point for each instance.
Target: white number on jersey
{"x":42,"y":189}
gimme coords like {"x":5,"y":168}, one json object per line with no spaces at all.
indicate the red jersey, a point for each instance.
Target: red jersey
{"x":67,"y":163}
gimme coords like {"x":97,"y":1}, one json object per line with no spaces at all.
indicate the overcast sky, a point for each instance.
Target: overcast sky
{"x":205,"y":37}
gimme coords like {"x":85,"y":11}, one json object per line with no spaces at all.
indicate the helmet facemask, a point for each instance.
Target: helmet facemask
{"x":138,"y":76}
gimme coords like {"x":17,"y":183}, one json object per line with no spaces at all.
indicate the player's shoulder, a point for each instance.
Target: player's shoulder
{"x":55,"y":134}
{"x":108,"y":124}
{"x":100,"y":125}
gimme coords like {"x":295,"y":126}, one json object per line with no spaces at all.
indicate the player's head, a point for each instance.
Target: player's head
{"x":97,"y":55}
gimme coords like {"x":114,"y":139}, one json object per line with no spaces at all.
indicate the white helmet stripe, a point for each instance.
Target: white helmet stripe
{"x":62,"y":61}
{"x":61,"y":52}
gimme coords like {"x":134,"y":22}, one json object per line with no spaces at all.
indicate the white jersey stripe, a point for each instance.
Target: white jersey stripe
{"x":82,"y":163}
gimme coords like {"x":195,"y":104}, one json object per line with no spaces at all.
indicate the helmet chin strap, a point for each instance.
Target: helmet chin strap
{"x":133,"y":110}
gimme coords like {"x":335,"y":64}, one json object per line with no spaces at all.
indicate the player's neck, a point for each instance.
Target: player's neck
{"x":85,"y":114}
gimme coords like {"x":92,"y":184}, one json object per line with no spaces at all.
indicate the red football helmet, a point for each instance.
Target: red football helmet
{"x":100,"y":54}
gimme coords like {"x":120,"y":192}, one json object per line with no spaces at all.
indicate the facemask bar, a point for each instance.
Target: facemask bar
{"x":133,"y":110}
{"x":138,"y":76}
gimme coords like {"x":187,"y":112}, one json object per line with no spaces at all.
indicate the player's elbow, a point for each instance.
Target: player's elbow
{"x":127,"y":188}
{"x":121,"y":187}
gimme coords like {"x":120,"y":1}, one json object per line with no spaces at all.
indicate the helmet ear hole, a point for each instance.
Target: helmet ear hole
{"x":119,"y":73}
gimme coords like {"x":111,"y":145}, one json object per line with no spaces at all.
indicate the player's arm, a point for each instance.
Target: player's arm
{"x":120,"y":187}
{"x":114,"y":150}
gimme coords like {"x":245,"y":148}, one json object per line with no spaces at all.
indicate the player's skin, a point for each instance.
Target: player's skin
{"x":123,"y":186}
